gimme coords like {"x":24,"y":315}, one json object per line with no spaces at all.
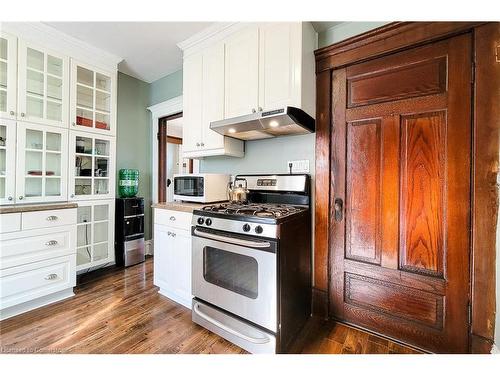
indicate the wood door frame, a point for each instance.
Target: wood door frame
{"x":392,"y":38}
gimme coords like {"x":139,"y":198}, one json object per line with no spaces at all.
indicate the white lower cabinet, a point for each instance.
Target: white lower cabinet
{"x":172,"y":260}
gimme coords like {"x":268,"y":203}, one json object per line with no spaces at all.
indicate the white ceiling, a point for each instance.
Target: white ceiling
{"x":149,"y":49}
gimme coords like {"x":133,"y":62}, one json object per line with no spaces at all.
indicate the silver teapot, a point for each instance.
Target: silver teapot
{"x":237,"y":193}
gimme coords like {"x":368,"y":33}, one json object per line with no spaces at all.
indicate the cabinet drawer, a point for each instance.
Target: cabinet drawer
{"x":48,"y":219}
{"x":10,"y":222}
{"x":24,"y":283}
{"x":174,"y":219}
{"x":24,"y":247}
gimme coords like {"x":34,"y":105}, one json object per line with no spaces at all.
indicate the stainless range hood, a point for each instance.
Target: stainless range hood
{"x":268,"y":124}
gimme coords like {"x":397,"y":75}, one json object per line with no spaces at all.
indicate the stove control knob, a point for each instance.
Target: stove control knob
{"x":208,"y":221}
{"x":258,"y":229}
{"x":201,"y":220}
{"x":246,"y":228}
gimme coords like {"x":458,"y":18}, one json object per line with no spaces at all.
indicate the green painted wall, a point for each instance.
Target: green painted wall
{"x":345,"y":30}
{"x":166,"y":88}
{"x":133,"y":137}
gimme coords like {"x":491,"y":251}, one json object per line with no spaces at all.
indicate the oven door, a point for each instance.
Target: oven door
{"x":237,"y":274}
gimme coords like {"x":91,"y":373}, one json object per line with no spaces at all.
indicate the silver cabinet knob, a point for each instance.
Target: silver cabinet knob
{"x":197,"y":144}
{"x":21,"y":197}
{"x":73,"y":123}
{"x":52,"y":276}
{"x":253,"y":110}
{"x":173,"y":234}
{"x":22,"y":114}
{"x":52,"y":218}
{"x":172,"y":218}
{"x":72,"y":196}
{"x":51,"y":243}
{"x":12,"y":113}
{"x":10,"y":198}
{"x":260,"y":109}
{"x":202,"y":144}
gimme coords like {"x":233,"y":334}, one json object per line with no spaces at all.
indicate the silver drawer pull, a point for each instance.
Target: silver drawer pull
{"x":51,"y":243}
{"x":52,"y":276}
{"x":172,"y":218}
{"x":171,"y":234}
{"x":52,"y":218}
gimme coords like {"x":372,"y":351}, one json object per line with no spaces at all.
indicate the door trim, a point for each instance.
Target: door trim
{"x":390,"y":38}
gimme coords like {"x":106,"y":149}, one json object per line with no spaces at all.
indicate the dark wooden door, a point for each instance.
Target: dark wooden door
{"x":400,"y":217}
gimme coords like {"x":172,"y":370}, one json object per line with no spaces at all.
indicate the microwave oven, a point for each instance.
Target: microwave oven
{"x":201,"y":187}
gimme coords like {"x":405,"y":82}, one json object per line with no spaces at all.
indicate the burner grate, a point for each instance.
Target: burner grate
{"x":254,"y":209}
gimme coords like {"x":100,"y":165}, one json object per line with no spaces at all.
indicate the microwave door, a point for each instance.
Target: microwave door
{"x":188,"y":186}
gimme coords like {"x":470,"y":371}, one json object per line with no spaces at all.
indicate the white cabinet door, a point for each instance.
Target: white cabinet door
{"x":42,"y":163}
{"x":242,"y":73}
{"x":213,"y":96}
{"x":43,"y":89}
{"x":93,"y":99}
{"x":8,"y":76}
{"x":161,"y":243}
{"x":279,"y":65}
{"x":7,"y":161}
{"x":192,"y":102}
{"x":92,"y":166}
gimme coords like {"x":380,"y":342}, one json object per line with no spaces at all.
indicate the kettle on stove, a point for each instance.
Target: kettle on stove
{"x":238,"y":193}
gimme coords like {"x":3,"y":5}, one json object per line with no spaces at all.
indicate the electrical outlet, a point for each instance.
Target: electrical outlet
{"x":298,"y":166}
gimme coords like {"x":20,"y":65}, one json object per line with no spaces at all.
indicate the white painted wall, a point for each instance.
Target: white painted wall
{"x":345,"y":30}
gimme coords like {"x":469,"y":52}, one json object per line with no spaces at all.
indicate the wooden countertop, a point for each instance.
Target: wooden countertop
{"x":29,"y":207}
{"x":182,"y":206}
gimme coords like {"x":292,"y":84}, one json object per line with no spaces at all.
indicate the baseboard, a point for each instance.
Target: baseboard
{"x":36,"y":303}
{"x":186,"y":302}
{"x":149,"y":247}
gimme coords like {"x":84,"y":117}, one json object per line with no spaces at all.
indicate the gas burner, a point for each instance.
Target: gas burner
{"x":264,"y":210}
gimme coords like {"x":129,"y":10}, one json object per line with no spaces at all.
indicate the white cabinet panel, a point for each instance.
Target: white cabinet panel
{"x":8,"y":75}
{"x":192,"y":103}
{"x":10,"y":222}
{"x":7,"y":161}
{"x":48,"y":219}
{"x":43,"y":88}
{"x":242,"y":73}
{"x":42,"y":163}
{"x":173,"y":219}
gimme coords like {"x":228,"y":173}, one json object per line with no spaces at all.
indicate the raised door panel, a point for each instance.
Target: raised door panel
{"x":8,"y":75}
{"x":279,"y":65}
{"x":242,"y":73}
{"x":43,"y":85}
{"x":7,"y":161}
{"x":181,"y":265}
{"x":192,"y":103}
{"x":213,"y":96}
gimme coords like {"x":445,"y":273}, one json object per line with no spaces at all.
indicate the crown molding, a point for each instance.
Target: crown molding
{"x":166,"y":108}
{"x":47,"y":36}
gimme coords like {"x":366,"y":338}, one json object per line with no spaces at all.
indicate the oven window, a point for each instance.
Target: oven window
{"x":188,"y":186}
{"x":235,"y":272}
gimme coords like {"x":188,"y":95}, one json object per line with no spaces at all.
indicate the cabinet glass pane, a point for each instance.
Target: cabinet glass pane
{"x":3,"y":48}
{"x":52,"y":187}
{"x":33,"y":163}
{"x":100,"y":232}
{"x":85,"y":76}
{"x":101,"y":167}
{"x":83,"y":145}
{"x":83,"y":235}
{"x":102,"y":121}
{"x":3,"y":74}
{"x":84,"y":97}
{"x":34,"y":83}
{"x":83,"y":186}
{"x":33,"y":187}
{"x":101,"y":212}
{"x":2,"y":187}
{"x":54,"y":111}
{"x":83,"y":255}
{"x":103,"y":82}
{"x":84,"y":117}
{"x":52,"y":164}
{"x":54,"y":88}
{"x":83,"y":214}
{"x":54,"y":65}
{"x":83,"y":166}
{"x":2,"y":162}
{"x":3,"y":100}
{"x":34,"y":139}
{"x":100,"y":251}
{"x":35,"y":59}
{"x":34,"y":107}
{"x":53,"y":141}
{"x":102,"y":101}
{"x":101,"y":186}
{"x":101,"y":147}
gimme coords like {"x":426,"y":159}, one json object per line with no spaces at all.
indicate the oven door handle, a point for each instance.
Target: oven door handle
{"x":234,"y":241}
{"x":255,"y":340}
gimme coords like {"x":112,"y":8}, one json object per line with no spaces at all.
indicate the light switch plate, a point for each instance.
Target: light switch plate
{"x":298,"y":166}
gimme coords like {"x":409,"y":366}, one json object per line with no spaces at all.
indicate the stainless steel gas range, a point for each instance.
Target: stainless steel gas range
{"x":252,"y":264}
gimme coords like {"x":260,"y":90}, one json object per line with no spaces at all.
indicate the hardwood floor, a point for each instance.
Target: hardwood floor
{"x":120,"y":311}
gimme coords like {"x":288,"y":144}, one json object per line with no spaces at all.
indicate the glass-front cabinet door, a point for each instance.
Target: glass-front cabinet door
{"x":43,"y":86}
{"x":8,"y":75}
{"x":92,"y":166}
{"x":7,"y":161}
{"x":92,"y":99}
{"x":42,"y":163}
{"x":95,"y":233}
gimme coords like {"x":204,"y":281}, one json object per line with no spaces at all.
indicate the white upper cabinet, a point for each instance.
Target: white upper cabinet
{"x":7,"y":161}
{"x":93,"y":98}
{"x":192,"y":103}
{"x":242,"y":72}
{"x":8,"y":76}
{"x":43,"y":88}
